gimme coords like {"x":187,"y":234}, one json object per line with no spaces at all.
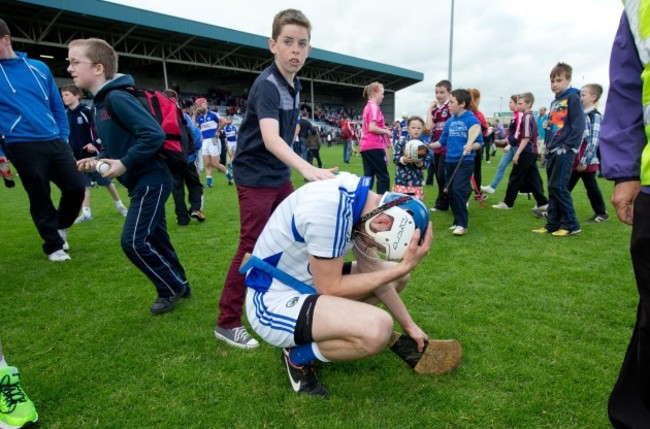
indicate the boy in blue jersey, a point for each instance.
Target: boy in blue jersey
{"x":563,"y":142}
{"x":231,"y":140}
{"x":131,"y":141}
{"x":264,"y":159}
{"x":459,"y":161}
{"x":210,"y":124}
{"x":35,"y":127}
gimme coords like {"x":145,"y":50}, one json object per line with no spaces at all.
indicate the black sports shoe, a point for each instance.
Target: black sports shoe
{"x":164,"y":304}
{"x":303,"y":378}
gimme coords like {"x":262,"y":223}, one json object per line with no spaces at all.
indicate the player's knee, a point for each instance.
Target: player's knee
{"x":378,"y":333}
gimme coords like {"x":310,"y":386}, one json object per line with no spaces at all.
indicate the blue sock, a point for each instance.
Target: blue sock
{"x":302,"y":354}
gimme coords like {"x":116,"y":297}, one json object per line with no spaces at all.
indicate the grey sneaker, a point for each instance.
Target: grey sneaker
{"x":238,"y":337}
{"x":540,"y":211}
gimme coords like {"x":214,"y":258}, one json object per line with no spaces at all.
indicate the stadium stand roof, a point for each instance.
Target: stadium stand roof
{"x":198,"y":51}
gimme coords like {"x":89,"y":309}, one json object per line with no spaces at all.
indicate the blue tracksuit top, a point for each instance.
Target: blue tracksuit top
{"x":31,"y":108}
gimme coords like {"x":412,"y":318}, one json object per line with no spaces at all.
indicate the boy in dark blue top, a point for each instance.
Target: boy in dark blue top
{"x":35,"y":127}
{"x":562,"y":144}
{"x":264,"y":158}
{"x":130,"y":148}
{"x":460,"y":156}
{"x":85,"y":143}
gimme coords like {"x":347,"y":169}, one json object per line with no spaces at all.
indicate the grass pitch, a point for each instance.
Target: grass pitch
{"x":543,"y":321}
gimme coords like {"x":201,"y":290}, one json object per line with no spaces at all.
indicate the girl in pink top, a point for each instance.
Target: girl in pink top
{"x":375,"y":138}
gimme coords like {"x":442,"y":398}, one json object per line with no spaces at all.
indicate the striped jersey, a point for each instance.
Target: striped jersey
{"x":208,"y":124}
{"x":230,"y":131}
{"x":317,"y":219}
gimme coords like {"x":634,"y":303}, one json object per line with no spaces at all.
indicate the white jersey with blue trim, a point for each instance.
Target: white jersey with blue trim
{"x":317,"y":219}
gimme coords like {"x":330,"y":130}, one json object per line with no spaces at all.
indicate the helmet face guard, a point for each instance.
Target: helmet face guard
{"x":408,"y":214}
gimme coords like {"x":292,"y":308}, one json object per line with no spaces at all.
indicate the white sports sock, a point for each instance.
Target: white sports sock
{"x":317,"y":353}
{"x":86,"y":211}
{"x":119,"y":204}
{"x":3,"y":362}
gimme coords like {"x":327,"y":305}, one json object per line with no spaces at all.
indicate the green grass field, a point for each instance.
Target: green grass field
{"x":544,"y":323}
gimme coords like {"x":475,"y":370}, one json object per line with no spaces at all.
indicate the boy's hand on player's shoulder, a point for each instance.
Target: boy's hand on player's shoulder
{"x":314,"y":174}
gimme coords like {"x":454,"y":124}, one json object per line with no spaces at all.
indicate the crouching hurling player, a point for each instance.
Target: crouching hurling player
{"x":302,"y":295}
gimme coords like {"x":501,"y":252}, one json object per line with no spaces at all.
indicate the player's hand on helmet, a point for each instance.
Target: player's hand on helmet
{"x":415,"y":252}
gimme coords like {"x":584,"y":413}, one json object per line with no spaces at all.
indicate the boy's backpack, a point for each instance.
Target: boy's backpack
{"x":313,"y":141}
{"x":179,"y":141}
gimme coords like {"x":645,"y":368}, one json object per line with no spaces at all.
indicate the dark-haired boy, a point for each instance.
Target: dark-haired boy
{"x":131,"y":142}
{"x":85,"y":143}
{"x":568,"y":125}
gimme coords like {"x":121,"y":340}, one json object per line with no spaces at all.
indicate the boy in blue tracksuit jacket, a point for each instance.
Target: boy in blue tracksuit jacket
{"x":131,"y":142}
{"x":568,"y":120}
{"x":35,"y":127}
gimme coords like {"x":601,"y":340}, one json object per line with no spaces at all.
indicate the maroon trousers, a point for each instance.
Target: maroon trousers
{"x":255,"y":208}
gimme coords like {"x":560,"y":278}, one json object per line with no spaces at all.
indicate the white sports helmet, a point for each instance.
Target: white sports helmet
{"x":408,"y":213}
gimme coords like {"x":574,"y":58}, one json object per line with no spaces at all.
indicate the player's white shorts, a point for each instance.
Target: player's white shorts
{"x":211,"y":147}
{"x":273,"y":315}
{"x":232,"y":146}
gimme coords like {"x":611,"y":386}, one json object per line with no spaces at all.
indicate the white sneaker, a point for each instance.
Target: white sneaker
{"x":501,"y":206}
{"x":64,"y":235}
{"x":451,"y":228}
{"x":83,"y":218}
{"x":123,"y":210}
{"x":58,"y":256}
{"x":460,"y":231}
{"x":489,"y":189}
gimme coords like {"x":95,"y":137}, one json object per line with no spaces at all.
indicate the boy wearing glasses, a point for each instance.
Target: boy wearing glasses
{"x":131,"y":139}
{"x":35,"y":126}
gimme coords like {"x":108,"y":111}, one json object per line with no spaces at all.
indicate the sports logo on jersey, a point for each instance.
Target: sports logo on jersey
{"x":293,"y":301}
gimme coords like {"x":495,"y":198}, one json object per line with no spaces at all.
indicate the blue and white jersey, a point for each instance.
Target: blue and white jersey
{"x":208,"y":124}
{"x":317,"y":219}
{"x":230,"y":131}
{"x":404,"y":132}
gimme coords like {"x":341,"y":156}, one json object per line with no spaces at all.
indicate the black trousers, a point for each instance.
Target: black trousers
{"x":186,"y":177}
{"x":629,"y":402}
{"x":314,"y":154}
{"x":593,"y":190}
{"x":442,"y":201}
{"x":374,"y":165}
{"x":525,"y":173}
{"x":478,"y":160}
{"x":38,"y":163}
